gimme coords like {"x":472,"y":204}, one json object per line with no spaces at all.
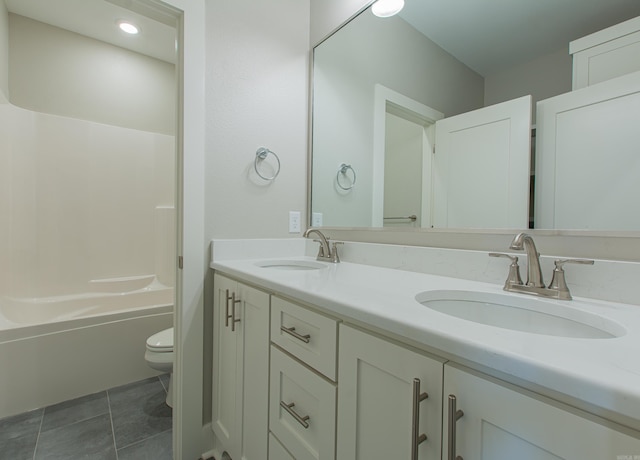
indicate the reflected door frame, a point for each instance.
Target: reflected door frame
{"x":387,"y":100}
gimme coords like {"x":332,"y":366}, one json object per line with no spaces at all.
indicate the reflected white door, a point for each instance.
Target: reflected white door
{"x":481,"y":167}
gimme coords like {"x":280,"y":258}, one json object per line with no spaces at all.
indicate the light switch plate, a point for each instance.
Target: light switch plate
{"x":316,"y":219}
{"x":294,"y":221}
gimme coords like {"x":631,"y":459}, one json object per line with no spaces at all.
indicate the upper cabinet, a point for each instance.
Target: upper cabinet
{"x":586,"y":157}
{"x":606,"y":54}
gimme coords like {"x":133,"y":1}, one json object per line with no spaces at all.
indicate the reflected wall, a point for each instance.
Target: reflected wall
{"x":346,"y":69}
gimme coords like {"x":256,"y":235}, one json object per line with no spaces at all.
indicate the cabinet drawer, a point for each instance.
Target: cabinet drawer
{"x":309,"y":336}
{"x":302,"y":409}
{"x":276,"y":451}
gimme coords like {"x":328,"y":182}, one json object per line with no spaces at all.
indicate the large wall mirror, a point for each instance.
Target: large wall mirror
{"x":430,"y":119}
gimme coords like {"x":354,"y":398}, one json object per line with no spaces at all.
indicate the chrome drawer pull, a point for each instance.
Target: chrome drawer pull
{"x":289,"y":408}
{"x":416,"y":437}
{"x":454,"y":415}
{"x":292,"y":331}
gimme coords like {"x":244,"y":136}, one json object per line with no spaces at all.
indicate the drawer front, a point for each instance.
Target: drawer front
{"x":308,"y":335}
{"x":276,"y":451}
{"x":302,"y":409}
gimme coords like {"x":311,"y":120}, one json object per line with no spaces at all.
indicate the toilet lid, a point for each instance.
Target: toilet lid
{"x":161,"y":341}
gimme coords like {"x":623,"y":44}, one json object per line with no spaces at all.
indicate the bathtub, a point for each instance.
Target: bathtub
{"x":57,"y":348}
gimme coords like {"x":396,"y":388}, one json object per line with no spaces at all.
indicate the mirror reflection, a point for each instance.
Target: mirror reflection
{"x":436,"y":125}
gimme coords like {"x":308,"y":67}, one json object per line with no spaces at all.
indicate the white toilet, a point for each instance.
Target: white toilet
{"x":159,"y":356}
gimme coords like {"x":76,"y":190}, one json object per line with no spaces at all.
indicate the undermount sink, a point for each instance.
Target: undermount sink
{"x":521,"y":314}
{"x":291,"y":264}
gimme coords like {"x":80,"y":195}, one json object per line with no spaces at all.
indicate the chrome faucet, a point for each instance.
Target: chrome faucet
{"x":557,"y":289}
{"x":534,"y":272}
{"x":325,"y":253}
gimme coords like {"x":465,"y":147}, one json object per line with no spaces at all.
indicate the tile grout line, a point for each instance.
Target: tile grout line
{"x":143,"y":440}
{"x":113,"y":431}
{"x":35,"y":448}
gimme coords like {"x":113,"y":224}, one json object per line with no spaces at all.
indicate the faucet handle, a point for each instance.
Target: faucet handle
{"x":559,"y":282}
{"x":513,"y":278}
{"x":560,"y":262}
{"x":334,"y":251}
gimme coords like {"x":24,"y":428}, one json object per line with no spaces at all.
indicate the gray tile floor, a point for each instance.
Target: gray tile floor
{"x":130,"y":422}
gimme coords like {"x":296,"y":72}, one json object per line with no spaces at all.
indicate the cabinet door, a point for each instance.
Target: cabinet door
{"x":227,"y":370}
{"x":376,"y":402}
{"x":500,"y":423}
{"x":254,"y":350}
{"x":240,"y":369}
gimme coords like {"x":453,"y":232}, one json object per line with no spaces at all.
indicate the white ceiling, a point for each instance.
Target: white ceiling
{"x":97,"y":19}
{"x":491,"y":35}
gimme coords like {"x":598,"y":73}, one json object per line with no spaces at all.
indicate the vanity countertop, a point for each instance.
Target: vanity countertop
{"x":604,"y":373}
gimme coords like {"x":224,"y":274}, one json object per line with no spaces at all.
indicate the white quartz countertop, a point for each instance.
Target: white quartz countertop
{"x":601,"y":372}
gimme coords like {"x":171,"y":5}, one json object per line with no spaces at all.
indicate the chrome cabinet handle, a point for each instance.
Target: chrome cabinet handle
{"x":454,"y":415}
{"x":234,"y":320}
{"x":416,"y":437}
{"x":301,"y":420}
{"x":292,"y":331}
{"x":226,"y":309}
{"x":231,"y":316}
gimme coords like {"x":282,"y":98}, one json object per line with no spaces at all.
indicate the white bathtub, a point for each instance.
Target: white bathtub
{"x":58,"y":348}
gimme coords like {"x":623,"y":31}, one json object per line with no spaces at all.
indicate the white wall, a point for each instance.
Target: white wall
{"x":347,"y":67}
{"x":544,"y":77}
{"x":328,"y":15}
{"x":4,"y":52}
{"x":55,"y":71}
{"x":256,"y":95}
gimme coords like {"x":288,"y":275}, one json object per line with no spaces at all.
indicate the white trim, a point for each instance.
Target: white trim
{"x":410,"y":110}
{"x":189,"y":311}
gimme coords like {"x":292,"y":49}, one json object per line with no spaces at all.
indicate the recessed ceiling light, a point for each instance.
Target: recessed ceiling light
{"x":128,"y":27}
{"x":387,"y":8}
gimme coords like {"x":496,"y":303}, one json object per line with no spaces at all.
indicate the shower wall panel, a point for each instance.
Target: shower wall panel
{"x":82,"y":201}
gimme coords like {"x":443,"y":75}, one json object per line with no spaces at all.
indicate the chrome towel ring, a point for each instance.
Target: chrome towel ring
{"x":261,"y":154}
{"x":343,"y":170}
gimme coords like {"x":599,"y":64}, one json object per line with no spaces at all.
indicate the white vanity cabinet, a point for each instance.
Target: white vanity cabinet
{"x":501,"y":422}
{"x":295,"y":381}
{"x":383,"y":412}
{"x":240,"y":369}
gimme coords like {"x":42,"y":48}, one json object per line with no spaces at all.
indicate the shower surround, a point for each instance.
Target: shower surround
{"x":87,"y":254}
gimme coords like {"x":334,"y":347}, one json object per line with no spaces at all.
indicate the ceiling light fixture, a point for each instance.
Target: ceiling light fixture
{"x":128,"y":27}
{"x":387,"y":8}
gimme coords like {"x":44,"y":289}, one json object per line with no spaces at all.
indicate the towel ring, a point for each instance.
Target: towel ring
{"x":262,"y":154}
{"x":343,"y":170}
